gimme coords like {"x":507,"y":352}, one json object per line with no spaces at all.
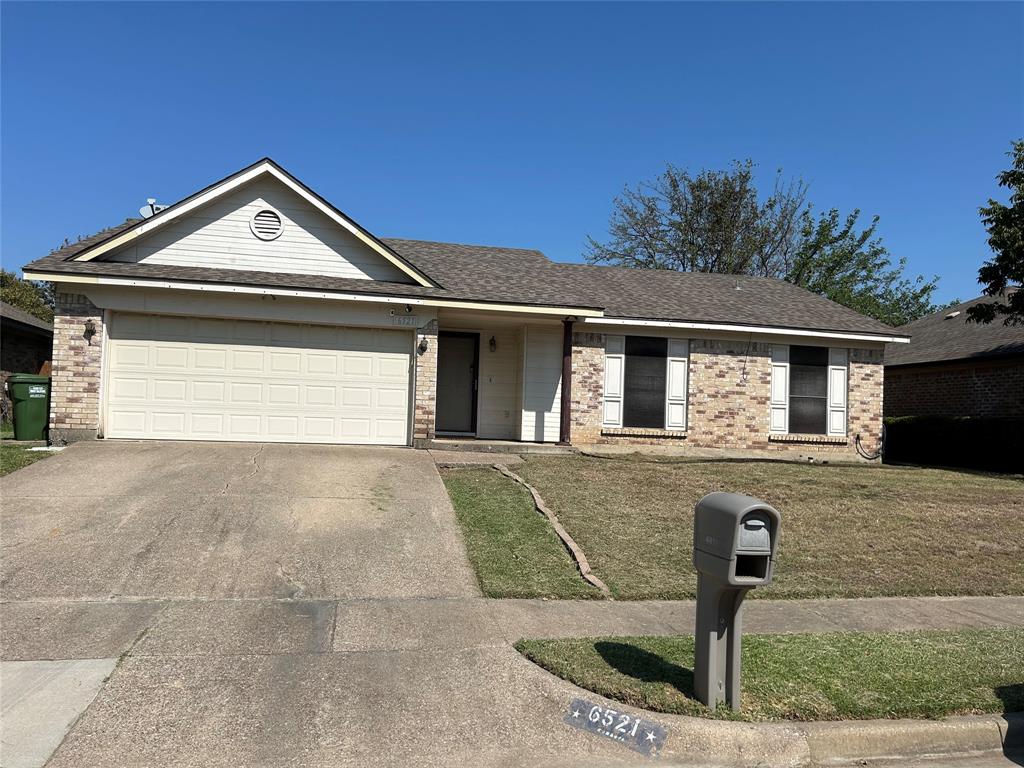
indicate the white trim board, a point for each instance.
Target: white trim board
{"x":768,"y":330}
{"x":307,"y":294}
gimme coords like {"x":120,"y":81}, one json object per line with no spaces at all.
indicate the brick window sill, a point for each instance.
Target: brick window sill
{"x":672,"y":434}
{"x":809,"y":439}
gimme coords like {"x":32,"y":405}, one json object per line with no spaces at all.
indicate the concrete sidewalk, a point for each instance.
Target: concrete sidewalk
{"x":32,"y":631}
{"x":581,"y":618}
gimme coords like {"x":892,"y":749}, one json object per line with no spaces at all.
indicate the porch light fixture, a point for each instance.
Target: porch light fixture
{"x":493,"y":344}
{"x":423,"y":346}
{"x":90,"y":329}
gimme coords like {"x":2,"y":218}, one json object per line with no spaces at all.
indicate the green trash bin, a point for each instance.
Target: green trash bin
{"x":31,"y":397}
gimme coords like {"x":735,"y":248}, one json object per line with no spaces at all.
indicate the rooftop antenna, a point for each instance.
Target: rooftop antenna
{"x":150,"y":208}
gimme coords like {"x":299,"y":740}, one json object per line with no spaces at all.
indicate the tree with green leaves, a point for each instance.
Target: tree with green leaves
{"x":1005,"y":227}
{"x":716,"y":221}
{"x":33,"y":297}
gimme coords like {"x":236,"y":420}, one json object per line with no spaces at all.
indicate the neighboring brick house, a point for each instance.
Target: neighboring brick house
{"x":255,"y":310}
{"x":25,"y":346}
{"x":953,"y":367}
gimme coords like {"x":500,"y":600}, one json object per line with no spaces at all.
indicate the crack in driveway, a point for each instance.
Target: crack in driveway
{"x":255,"y":469}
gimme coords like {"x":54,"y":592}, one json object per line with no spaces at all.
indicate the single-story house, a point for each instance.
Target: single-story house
{"x":255,"y":310}
{"x":953,"y":367}
{"x":25,"y":346}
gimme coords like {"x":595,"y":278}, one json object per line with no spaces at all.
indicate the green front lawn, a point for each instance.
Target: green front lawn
{"x":514,"y":551}
{"x":848,"y":675}
{"x":847,"y":531}
{"x":14,"y":457}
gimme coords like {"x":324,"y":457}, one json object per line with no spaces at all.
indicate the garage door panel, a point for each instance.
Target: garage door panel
{"x":243,"y":393}
{"x":168,"y":423}
{"x":124,"y":388}
{"x":171,"y":357}
{"x":211,"y":359}
{"x":131,"y":423}
{"x":283,"y":394}
{"x":246,"y":360}
{"x":213,"y":379}
{"x":131,"y":355}
{"x":285,"y":362}
{"x":392,"y":367}
{"x":209,"y":425}
{"x":208,"y":391}
{"x":170,"y":389}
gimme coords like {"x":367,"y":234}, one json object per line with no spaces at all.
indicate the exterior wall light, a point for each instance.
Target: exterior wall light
{"x":493,"y":344}
{"x":423,"y":346}
{"x":90,"y":329}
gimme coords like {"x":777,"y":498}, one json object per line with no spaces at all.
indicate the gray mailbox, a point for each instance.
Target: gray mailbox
{"x":735,"y":538}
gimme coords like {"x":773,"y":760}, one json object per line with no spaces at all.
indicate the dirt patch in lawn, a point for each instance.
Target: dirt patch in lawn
{"x":847,"y":531}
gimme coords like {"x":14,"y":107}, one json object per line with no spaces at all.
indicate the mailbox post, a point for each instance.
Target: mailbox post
{"x":734,"y":543}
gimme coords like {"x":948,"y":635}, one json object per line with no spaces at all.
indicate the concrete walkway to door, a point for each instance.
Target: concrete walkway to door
{"x":278,"y":605}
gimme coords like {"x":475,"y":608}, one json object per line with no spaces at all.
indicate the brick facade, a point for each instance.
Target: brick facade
{"x":587,"y":386}
{"x":425,"y":399}
{"x":969,"y":388}
{"x":728,"y":400}
{"x":77,"y":362}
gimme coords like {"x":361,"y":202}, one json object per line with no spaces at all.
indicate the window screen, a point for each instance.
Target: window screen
{"x":644,"y":382}
{"x":808,"y":390}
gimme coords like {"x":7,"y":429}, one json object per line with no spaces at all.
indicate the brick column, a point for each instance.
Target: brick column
{"x":864,"y":398}
{"x":77,"y":361}
{"x":426,"y":385}
{"x":587,"y":386}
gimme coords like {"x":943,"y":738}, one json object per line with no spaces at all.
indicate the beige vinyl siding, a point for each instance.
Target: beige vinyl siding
{"x":218,"y":235}
{"x":542,"y":384}
{"x":498,"y":396}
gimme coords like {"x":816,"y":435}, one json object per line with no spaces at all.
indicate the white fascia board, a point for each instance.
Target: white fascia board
{"x":176,"y":211}
{"x":746,"y":329}
{"x":310,"y":294}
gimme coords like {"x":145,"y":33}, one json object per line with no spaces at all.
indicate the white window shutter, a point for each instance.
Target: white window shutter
{"x":676,"y":383}
{"x":779,"y":419}
{"x":837,"y":396}
{"x":614,"y":371}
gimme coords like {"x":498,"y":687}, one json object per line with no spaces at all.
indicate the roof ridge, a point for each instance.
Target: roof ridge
{"x":464,"y":245}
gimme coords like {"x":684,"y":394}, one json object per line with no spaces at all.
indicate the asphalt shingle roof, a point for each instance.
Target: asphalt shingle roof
{"x":9,"y":312}
{"x":937,"y":338}
{"x":523,"y":276}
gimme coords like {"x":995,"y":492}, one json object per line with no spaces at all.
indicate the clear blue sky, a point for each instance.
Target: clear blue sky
{"x":511,"y":124}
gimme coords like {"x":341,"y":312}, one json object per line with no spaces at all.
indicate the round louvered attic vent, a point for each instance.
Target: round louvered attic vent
{"x":266,"y":224}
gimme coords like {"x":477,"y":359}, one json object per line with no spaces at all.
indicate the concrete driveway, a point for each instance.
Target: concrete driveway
{"x":259,"y":605}
{"x":230,"y":521}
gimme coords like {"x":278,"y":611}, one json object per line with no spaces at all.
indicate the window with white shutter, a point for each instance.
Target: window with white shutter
{"x":675,"y":392}
{"x":808,"y":390}
{"x":837,"y":383}
{"x":614,"y":370}
{"x":779,"y":421}
{"x":645,"y":382}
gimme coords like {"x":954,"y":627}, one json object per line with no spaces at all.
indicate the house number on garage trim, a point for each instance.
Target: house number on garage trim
{"x":407,"y":321}
{"x":630,"y":730}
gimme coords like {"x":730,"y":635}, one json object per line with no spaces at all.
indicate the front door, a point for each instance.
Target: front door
{"x":457,"y":363}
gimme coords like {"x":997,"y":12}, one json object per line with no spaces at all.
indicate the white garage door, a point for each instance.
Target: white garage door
{"x":193,"y":378}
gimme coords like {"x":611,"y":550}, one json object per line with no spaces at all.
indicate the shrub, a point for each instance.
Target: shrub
{"x":995,"y":444}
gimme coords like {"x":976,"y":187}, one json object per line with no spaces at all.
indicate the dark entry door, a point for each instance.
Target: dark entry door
{"x":457,"y":363}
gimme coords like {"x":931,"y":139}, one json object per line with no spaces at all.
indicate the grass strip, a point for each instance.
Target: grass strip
{"x":511,"y":546}
{"x":14,"y":457}
{"x":835,"y":676}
